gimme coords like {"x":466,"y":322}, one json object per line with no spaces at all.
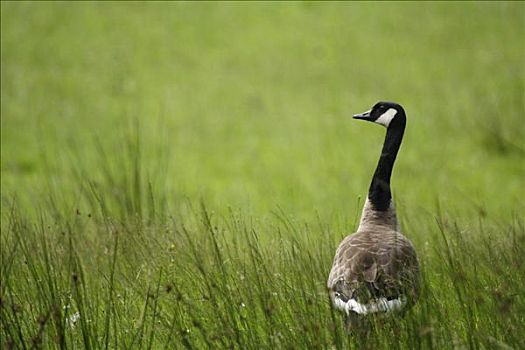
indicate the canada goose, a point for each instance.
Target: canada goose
{"x":375,"y":270}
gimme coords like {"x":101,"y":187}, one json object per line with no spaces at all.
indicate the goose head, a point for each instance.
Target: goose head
{"x":384,"y":113}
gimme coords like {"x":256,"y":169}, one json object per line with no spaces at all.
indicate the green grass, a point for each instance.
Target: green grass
{"x":180,"y":174}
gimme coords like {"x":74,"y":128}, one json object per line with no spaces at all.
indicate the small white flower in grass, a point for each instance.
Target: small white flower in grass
{"x":243,"y":305}
{"x":72,"y":320}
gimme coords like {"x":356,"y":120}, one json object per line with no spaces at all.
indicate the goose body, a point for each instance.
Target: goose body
{"x":375,"y":270}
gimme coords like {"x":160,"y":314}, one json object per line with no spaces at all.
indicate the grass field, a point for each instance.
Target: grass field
{"x":178,"y":175}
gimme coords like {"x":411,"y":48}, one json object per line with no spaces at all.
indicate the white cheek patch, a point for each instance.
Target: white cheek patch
{"x":386,"y":117}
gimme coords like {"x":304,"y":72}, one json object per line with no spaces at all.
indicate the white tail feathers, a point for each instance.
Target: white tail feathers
{"x":377,"y":305}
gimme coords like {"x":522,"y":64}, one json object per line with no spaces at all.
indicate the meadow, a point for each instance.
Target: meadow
{"x":178,"y":175}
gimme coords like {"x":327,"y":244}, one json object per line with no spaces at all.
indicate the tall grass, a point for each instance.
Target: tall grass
{"x":112,"y":277}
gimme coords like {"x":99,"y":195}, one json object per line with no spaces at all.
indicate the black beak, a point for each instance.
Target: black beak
{"x":363,"y":116}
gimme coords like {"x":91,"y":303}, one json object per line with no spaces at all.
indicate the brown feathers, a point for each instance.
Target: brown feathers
{"x":375,"y":262}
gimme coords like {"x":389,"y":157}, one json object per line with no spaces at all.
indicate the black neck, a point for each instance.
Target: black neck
{"x":379,"y":192}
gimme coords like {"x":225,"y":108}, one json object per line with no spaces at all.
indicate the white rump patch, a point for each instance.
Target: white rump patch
{"x":378,"y":305}
{"x":386,"y":117}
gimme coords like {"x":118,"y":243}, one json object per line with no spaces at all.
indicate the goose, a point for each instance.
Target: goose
{"x":375,"y":270}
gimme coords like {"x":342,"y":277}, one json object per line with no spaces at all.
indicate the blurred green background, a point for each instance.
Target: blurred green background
{"x":248,"y":105}
{"x":118,"y":118}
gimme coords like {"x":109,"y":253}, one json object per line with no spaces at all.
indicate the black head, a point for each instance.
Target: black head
{"x":384,"y":113}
